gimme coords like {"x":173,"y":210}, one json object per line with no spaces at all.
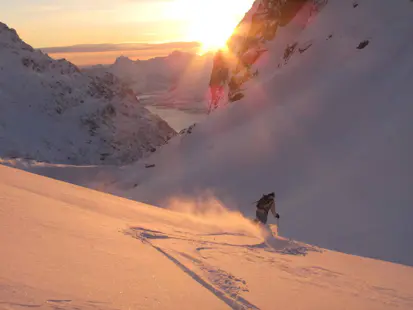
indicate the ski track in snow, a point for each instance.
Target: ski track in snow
{"x":71,"y":248}
{"x":205,"y":249}
{"x":223,"y":284}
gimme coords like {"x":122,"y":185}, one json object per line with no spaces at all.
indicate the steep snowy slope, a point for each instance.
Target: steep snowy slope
{"x":328,"y":128}
{"x":50,"y":111}
{"x":179,"y":80}
{"x":66,"y":247}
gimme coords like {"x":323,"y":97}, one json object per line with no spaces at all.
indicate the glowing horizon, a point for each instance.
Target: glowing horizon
{"x":45,"y":23}
{"x":210,"y":23}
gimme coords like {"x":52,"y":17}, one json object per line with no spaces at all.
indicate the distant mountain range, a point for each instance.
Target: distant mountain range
{"x":180,"y":80}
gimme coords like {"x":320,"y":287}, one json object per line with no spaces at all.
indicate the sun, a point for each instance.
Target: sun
{"x":213,"y":36}
{"x":210,"y":22}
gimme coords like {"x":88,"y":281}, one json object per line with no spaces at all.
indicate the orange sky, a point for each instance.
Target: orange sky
{"x":109,"y":57}
{"x":49,"y":23}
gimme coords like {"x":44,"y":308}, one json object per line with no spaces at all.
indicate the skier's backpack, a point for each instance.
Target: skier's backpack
{"x":263,"y":202}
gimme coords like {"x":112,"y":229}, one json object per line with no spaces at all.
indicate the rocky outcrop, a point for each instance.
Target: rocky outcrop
{"x":236,"y":66}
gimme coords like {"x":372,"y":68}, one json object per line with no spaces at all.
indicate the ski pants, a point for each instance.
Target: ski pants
{"x":262,"y":216}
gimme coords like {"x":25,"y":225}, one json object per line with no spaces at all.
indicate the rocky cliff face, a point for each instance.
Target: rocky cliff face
{"x":52,"y":112}
{"x":236,"y":65}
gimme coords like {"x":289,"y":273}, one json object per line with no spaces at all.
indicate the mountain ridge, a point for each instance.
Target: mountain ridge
{"x":54,"y":112}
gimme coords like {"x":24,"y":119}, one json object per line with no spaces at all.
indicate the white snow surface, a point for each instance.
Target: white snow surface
{"x":67,"y":247}
{"x":329,"y":131}
{"x":52,"y":112}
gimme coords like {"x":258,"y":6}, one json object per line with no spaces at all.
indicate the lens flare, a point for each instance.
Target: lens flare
{"x":210,"y":22}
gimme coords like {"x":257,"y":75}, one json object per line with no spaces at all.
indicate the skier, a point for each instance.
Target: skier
{"x":264,"y":205}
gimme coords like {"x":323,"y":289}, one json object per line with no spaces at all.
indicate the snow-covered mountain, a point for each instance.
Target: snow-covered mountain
{"x":325,"y":123}
{"x":179,"y":80}
{"x":52,"y":112}
{"x":67,"y":247}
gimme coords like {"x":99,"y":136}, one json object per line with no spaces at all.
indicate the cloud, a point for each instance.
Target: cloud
{"x":93,"y":48}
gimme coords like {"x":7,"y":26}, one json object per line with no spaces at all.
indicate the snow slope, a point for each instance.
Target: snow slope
{"x":328,"y":129}
{"x":67,"y":247}
{"x":50,"y":111}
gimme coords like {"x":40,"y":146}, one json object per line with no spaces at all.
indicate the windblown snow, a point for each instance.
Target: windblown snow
{"x":52,"y":112}
{"x":67,"y":247}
